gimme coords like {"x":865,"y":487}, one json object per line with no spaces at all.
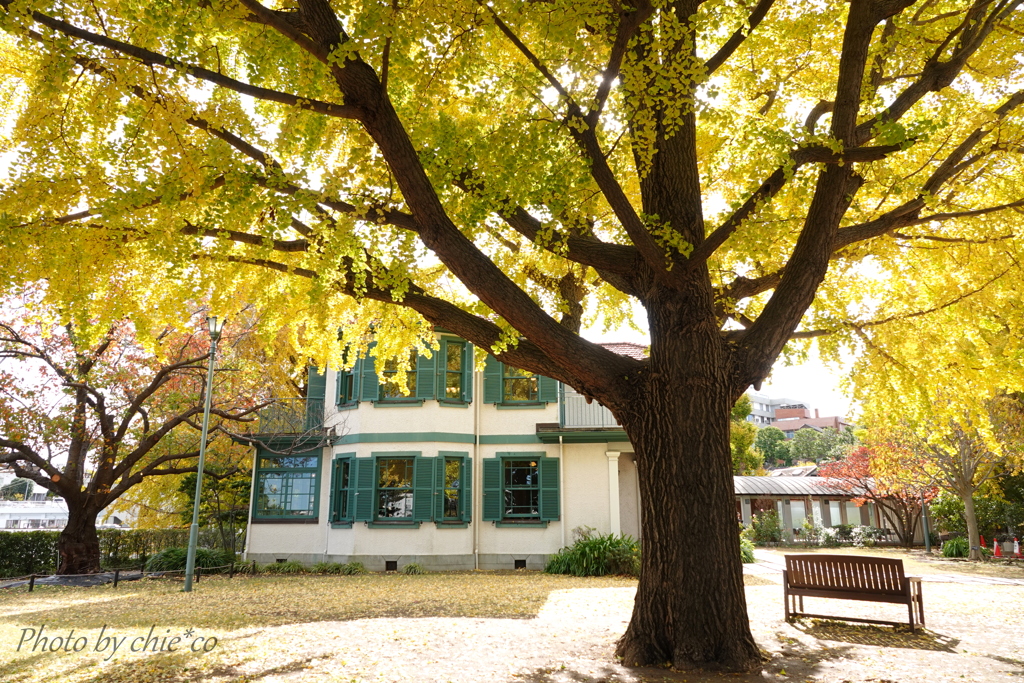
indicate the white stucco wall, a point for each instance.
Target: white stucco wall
{"x":428,"y":429}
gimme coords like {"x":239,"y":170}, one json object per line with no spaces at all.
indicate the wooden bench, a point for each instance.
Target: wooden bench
{"x":850,"y":577}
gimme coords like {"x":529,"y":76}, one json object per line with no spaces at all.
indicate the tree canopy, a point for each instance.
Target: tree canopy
{"x":513,"y":172}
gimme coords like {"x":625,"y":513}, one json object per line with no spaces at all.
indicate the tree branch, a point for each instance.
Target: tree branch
{"x":156,"y":59}
{"x":737,"y":38}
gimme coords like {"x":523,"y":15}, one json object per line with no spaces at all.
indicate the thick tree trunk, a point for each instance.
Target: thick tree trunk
{"x":79,"y":545}
{"x":973,"y":540}
{"x":690,"y":607}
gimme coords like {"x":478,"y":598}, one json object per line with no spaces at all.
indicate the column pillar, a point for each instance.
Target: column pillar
{"x":787,"y":521}
{"x":745,"y":510}
{"x":614,"y":522}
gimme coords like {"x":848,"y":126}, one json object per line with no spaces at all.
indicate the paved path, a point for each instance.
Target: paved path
{"x":769,"y":563}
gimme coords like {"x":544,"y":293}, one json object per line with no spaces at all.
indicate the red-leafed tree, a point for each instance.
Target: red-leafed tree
{"x":89,"y":415}
{"x":898,"y":498}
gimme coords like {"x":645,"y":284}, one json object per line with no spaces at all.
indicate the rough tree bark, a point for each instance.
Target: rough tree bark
{"x":79,"y":545}
{"x":690,"y":607}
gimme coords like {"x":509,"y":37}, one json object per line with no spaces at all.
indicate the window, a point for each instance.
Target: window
{"x":521,"y":485}
{"x":521,"y":488}
{"x":403,"y":488}
{"x":346,"y":389}
{"x":454,"y":493}
{"x":395,"y":488}
{"x":286,"y":486}
{"x":518,"y":386}
{"x":454,"y":370}
{"x":510,"y":386}
{"x":390,"y":388}
{"x":341,"y":489}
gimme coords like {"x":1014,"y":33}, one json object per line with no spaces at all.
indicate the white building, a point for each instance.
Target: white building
{"x":487,"y":470}
{"x":763,"y":407}
{"x":33,"y":514}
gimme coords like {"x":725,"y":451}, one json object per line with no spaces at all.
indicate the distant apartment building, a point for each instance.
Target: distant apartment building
{"x":32,"y":509}
{"x":790,"y":415}
{"x":764,"y":407}
{"x":791,"y":419}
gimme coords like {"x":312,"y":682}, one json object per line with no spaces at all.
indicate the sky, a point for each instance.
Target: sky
{"x":812,"y":382}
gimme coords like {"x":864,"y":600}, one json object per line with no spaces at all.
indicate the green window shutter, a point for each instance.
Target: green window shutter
{"x":547,"y":389}
{"x":549,"y":503}
{"x":492,"y":490}
{"x":425,"y":370}
{"x":439,"y":488}
{"x":316,"y":385}
{"x":468,"y":373}
{"x":492,"y":380}
{"x":335,"y":491}
{"x":467,"y":490}
{"x":357,"y":379}
{"x":363,"y":472}
{"x":440,"y":365}
{"x":369,"y":389}
{"x":423,"y":488}
{"x":316,"y":391}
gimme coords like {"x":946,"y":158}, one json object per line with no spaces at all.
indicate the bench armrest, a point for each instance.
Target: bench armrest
{"x":915,"y":579}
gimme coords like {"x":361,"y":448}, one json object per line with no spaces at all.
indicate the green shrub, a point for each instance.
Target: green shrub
{"x":326,"y":568}
{"x":597,"y":555}
{"x":956,"y":547}
{"x":746,"y":551}
{"x":175,"y":559}
{"x":767,"y":528}
{"x":353,"y":568}
{"x":413,"y":568}
{"x":35,"y":552}
{"x":284,"y":568}
{"x":28,"y":552}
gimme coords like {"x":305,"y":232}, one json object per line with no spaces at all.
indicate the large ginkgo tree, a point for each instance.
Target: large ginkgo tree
{"x":744,"y":172}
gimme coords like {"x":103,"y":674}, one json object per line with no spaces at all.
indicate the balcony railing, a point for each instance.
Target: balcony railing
{"x":292,"y":416}
{"x":577,"y":413}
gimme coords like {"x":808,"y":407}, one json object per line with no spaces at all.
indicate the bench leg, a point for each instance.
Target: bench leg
{"x":801,"y":603}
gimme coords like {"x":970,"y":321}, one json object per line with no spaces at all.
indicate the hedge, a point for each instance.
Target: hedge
{"x":35,"y":552}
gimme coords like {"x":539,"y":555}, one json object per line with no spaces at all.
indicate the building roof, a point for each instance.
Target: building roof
{"x":785,"y":486}
{"x":630,"y":349}
{"x":798,"y":471}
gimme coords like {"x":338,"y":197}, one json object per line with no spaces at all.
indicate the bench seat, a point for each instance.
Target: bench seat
{"x":850,"y":577}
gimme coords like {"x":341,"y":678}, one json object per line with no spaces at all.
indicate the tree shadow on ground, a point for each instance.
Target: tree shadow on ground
{"x":1012,"y":662}
{"x":182,"y":667}
{"x":796,"y":661}
{"x":877,"y":636}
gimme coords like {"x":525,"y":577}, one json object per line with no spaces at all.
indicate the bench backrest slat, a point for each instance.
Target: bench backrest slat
{"x":879,"y":575}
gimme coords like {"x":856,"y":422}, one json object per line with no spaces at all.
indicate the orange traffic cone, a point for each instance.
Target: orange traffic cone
{"x":997,"y":550}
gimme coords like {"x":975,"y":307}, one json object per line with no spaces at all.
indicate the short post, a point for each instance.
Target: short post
{"x":31,"y":582}
{"x":117,"y":575}
{"x":231,"y":570}
{"x":199,"y":573}
{"x":254,"y":567}
{"x":924,"y":526}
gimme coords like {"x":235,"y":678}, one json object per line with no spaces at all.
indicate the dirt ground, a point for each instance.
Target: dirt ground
{"x":974,"y":632}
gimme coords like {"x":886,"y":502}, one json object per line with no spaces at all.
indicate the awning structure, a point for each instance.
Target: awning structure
{"x":787,"y":486}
